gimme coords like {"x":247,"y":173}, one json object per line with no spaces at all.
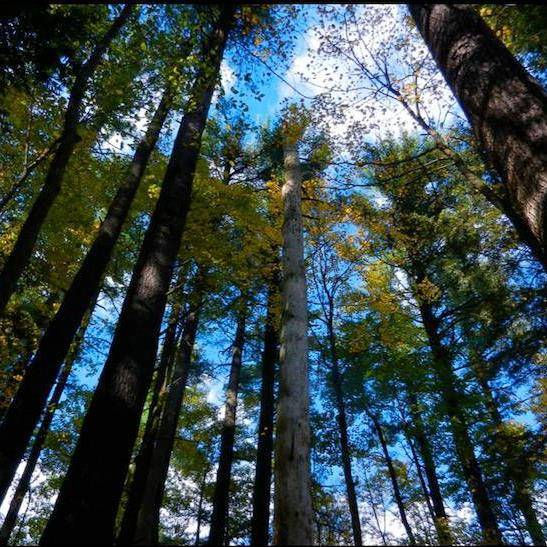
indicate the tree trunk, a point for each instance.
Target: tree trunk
{"x":32,"y":460}
{"x":293,"y":508}
{"x":146,"y":449}
{"x":263,"y":472}
{"x":505,"y":106}
{"x":22,"y":250}
{"x":200,"y":505}
{"x":514,"y":464}
{"x":460,"y":432}
{"x":343,"y":430}
{"x":393,"y":476}
{"x":87,"y":503}
{"x":440,"y":517}
{"x":30,"y":399}
{"x":146,"y":530}
{"x":217,"y":533}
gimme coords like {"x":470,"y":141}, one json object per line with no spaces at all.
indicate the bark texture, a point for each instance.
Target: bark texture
{"x":217,"y":532}
{"x":30,"y":399}
{"x":293,"y":509}
{"x":26,"y":240}
{"x":146,"y":449}
{"x":88,"y":501}
{"x":505,"y":106}
{"x":264,"y":451}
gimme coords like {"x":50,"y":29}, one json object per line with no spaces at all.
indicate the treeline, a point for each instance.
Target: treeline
{"x":382,"y":297}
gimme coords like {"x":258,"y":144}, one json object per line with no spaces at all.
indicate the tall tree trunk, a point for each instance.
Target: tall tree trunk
{"x":199,"y":515}
{"x":30,"y":399}
{"x":146,"y":449}
{"x":515,"y":464}
{"x":505,"y":106}
{"x":420,"y":474}
{"x":264,"y":450}
{"x":32,"y":460}
{"x":460,"y":430}
{"x":146,"y":529}
{"x":293,"y":518}
{"x":343,"y":429}
{"x":217,"y":532}
{"x":22,"y":250}
{"x":440,"y":517}
{"x":392,"y":476}
{"x":87,"y":503}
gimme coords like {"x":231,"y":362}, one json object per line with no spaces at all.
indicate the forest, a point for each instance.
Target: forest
{"x":273,"y":274}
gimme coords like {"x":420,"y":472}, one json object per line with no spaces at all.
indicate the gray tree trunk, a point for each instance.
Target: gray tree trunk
{"x":293,"y":508}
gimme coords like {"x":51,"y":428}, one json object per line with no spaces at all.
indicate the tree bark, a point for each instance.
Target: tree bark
{"x":343,"y":429}
{"x":30,"y":399}
{"x":22,"y":250}
{"x":263,"y":472}
{"x":32,"y":460}
{"x":87,"y":503}
{"x":146,"y":449}
{"x":217,"y":533}
{"x":392,"y":476}
{"x":146,"y":530}
{"x":440,"y":517}
{"x":505,"y":106}
{"x":460,"y":431}
{"x":293,"y":508}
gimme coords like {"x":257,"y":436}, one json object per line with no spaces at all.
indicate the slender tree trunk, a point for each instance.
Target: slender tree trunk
{"x":217,"y":532}
{"x":460,"y":432}
{"x":30,"y":399}
{"x":440,"y":518}
{"x":263,"y":473}
{"x":146,"y":530}
{"x":392,"y":476}
{"x":146,"y":449}
{"x":343,"y":430}
{"x":293,"y":519}
{"x":514,"y":464}
{"x":32,"y":460}
{"x":419,"y":472}
{"x":505,"y":106}
{"x":87,"y":503}
{"x":22,"y":250}
{"x":200,"y":506}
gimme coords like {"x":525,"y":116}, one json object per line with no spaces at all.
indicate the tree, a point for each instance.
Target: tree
{"x":292,"y":509}
{"x":264,"y":450}
{"x":29,"y":401}
{"x":22,"y":250}
{"x":217,"y":533}
{"x":504,"y":105}
{"x":128,"y":370}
